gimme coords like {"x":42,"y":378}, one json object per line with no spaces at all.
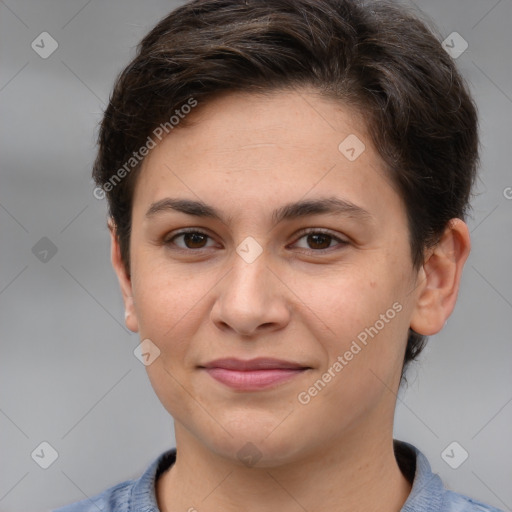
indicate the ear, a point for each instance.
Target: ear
{"x":130,"y":316}
{"x":439,"y":279}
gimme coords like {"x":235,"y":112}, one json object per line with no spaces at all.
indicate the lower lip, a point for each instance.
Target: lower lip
{"x":254,"y":379}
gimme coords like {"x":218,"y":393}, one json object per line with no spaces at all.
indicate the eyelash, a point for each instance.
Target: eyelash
{"x":302,"y":234}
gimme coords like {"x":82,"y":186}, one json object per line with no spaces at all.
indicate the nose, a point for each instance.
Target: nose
{"x":252,"y":299}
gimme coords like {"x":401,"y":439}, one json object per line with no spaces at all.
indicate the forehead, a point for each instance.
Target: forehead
{"x":245,"y":120}
{"x":246,"y":147}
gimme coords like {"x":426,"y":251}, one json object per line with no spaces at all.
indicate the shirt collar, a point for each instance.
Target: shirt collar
{"x":426,"y":493}
{"x":143,"y":498}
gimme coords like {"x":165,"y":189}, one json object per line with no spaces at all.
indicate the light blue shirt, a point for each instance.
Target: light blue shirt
{"x":427,"y":494}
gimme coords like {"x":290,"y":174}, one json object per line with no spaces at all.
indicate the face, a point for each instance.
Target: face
{"x":326,"y":288}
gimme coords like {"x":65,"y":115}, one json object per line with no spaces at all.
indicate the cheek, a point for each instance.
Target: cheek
{"x":168,"y":307}
{"x":165,"y":295}
{"x":361,"y":318}
{"x":350,"y":301}
{"x":364,"y":353}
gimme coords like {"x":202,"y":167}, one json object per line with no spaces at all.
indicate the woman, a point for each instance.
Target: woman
{"x":287,"y":183}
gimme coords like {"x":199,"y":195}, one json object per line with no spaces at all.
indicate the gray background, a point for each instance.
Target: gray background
{"x":68,"y":374}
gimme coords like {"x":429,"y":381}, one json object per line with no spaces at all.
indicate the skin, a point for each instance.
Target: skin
{"x":302,"y":300}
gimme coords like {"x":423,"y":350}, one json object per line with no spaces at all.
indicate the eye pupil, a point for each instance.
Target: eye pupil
{"x":194,"y":238}
{"x":317,"y":240}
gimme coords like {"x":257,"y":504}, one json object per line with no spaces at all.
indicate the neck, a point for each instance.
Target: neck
{"x":359,"y":473}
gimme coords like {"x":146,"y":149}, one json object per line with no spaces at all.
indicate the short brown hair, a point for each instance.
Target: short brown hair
{"x":376,"y":55}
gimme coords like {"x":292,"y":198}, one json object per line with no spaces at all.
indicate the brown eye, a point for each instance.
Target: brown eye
{"x":190,"y":240}
{"x":317,"y":241}
{"x":194,"y":240}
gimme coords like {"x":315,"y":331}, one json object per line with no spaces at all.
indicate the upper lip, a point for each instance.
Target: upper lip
{"x":260,"y":363}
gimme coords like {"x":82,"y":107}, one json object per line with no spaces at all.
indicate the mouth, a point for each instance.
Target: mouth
{"x":254,"y":374}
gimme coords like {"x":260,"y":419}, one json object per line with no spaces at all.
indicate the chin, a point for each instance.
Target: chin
{"x":261,"y":445}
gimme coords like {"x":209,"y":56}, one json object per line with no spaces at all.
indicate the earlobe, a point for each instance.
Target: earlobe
{"x":130,"y":317}
{"x":124,"y":279}
{"x":439,"y":279}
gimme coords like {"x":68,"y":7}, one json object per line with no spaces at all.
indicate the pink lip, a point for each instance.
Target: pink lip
{"x":254,"y":374}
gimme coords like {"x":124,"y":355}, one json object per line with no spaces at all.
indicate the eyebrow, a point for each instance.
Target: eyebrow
{"x":327,"y":205}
